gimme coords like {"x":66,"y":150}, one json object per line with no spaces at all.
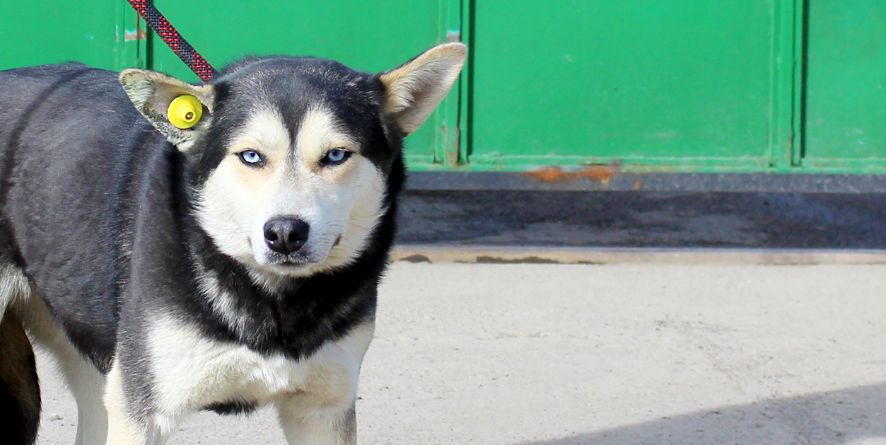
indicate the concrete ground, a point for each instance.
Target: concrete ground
{"x":614,"y":355}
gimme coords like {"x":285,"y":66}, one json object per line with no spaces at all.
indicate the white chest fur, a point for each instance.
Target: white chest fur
{"x":191,"y":371}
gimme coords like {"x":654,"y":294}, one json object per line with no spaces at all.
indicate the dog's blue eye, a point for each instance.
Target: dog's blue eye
{"x":335,"y":156}
{"x":251,"y":158}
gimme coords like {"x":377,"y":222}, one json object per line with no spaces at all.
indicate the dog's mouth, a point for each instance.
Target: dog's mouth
{"x":289,"y":263}
{"x":298,"y":263}
{"x":287,"y":266}
{"x":293,"y":262}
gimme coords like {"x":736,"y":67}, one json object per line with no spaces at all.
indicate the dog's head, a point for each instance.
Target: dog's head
{"x":291,"y":157}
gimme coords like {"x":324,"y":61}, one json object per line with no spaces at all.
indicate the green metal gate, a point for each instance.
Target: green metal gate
{"x":561,"y":88}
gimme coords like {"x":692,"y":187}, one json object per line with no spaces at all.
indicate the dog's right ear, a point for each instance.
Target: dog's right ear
{"x":152,"y":92}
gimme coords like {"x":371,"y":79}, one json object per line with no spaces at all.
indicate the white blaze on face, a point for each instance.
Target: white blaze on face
{"x":340,"y":203}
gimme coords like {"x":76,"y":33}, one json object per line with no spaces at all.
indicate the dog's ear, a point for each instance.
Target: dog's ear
{"x":413,"y":90}
{"x":152,"y":92}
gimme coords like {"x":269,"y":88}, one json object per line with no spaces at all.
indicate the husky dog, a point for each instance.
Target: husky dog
{"x":221,"y":267}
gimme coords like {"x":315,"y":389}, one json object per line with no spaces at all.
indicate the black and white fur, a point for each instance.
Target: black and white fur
{"x":138,"y":253}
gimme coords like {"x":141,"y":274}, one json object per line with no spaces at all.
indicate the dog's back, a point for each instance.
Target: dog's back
{"x":62,"y":150}
{"x":68,"y":136}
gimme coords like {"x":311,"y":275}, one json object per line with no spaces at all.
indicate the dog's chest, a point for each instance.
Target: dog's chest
{"x":193,"y":372}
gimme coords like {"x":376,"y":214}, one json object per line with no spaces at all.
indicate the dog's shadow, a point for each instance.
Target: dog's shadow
{"x":842,"y":417}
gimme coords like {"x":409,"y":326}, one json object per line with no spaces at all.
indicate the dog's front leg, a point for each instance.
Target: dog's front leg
{"x":305,"y":425}
{"x":124,"y":426}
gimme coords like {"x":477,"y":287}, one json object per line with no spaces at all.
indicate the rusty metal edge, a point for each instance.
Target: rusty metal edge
{"x":605,"y":180}
{"x":420,"y":253}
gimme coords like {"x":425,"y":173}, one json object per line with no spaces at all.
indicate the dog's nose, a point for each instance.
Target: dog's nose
{"x":285,"y":234}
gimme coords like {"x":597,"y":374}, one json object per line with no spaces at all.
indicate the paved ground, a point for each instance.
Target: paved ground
{"x":613,"y":355}
{"x":645,"y":219}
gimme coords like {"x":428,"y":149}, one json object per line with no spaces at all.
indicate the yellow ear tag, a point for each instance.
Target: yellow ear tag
{"x":184,"y":111}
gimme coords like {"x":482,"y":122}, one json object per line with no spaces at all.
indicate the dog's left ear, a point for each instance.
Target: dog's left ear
{"x":414,"y":90}
{"x":152,"y":92}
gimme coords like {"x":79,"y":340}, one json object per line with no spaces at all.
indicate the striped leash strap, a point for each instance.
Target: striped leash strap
{"x":173,"y":39}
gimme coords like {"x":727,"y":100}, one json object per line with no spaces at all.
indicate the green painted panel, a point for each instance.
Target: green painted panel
{"x":54,"y":32}
{"x":846,"y":81}
{"x":371,"y":36}
{"x":629,"y":80}
{"x":687,"y":85}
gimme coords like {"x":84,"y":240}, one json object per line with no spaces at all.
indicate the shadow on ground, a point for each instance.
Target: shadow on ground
{"x":645,"y":219}
{"x":849,"y":416}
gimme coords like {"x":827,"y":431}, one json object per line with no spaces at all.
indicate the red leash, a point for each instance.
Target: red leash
{"x":173,"y":39}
